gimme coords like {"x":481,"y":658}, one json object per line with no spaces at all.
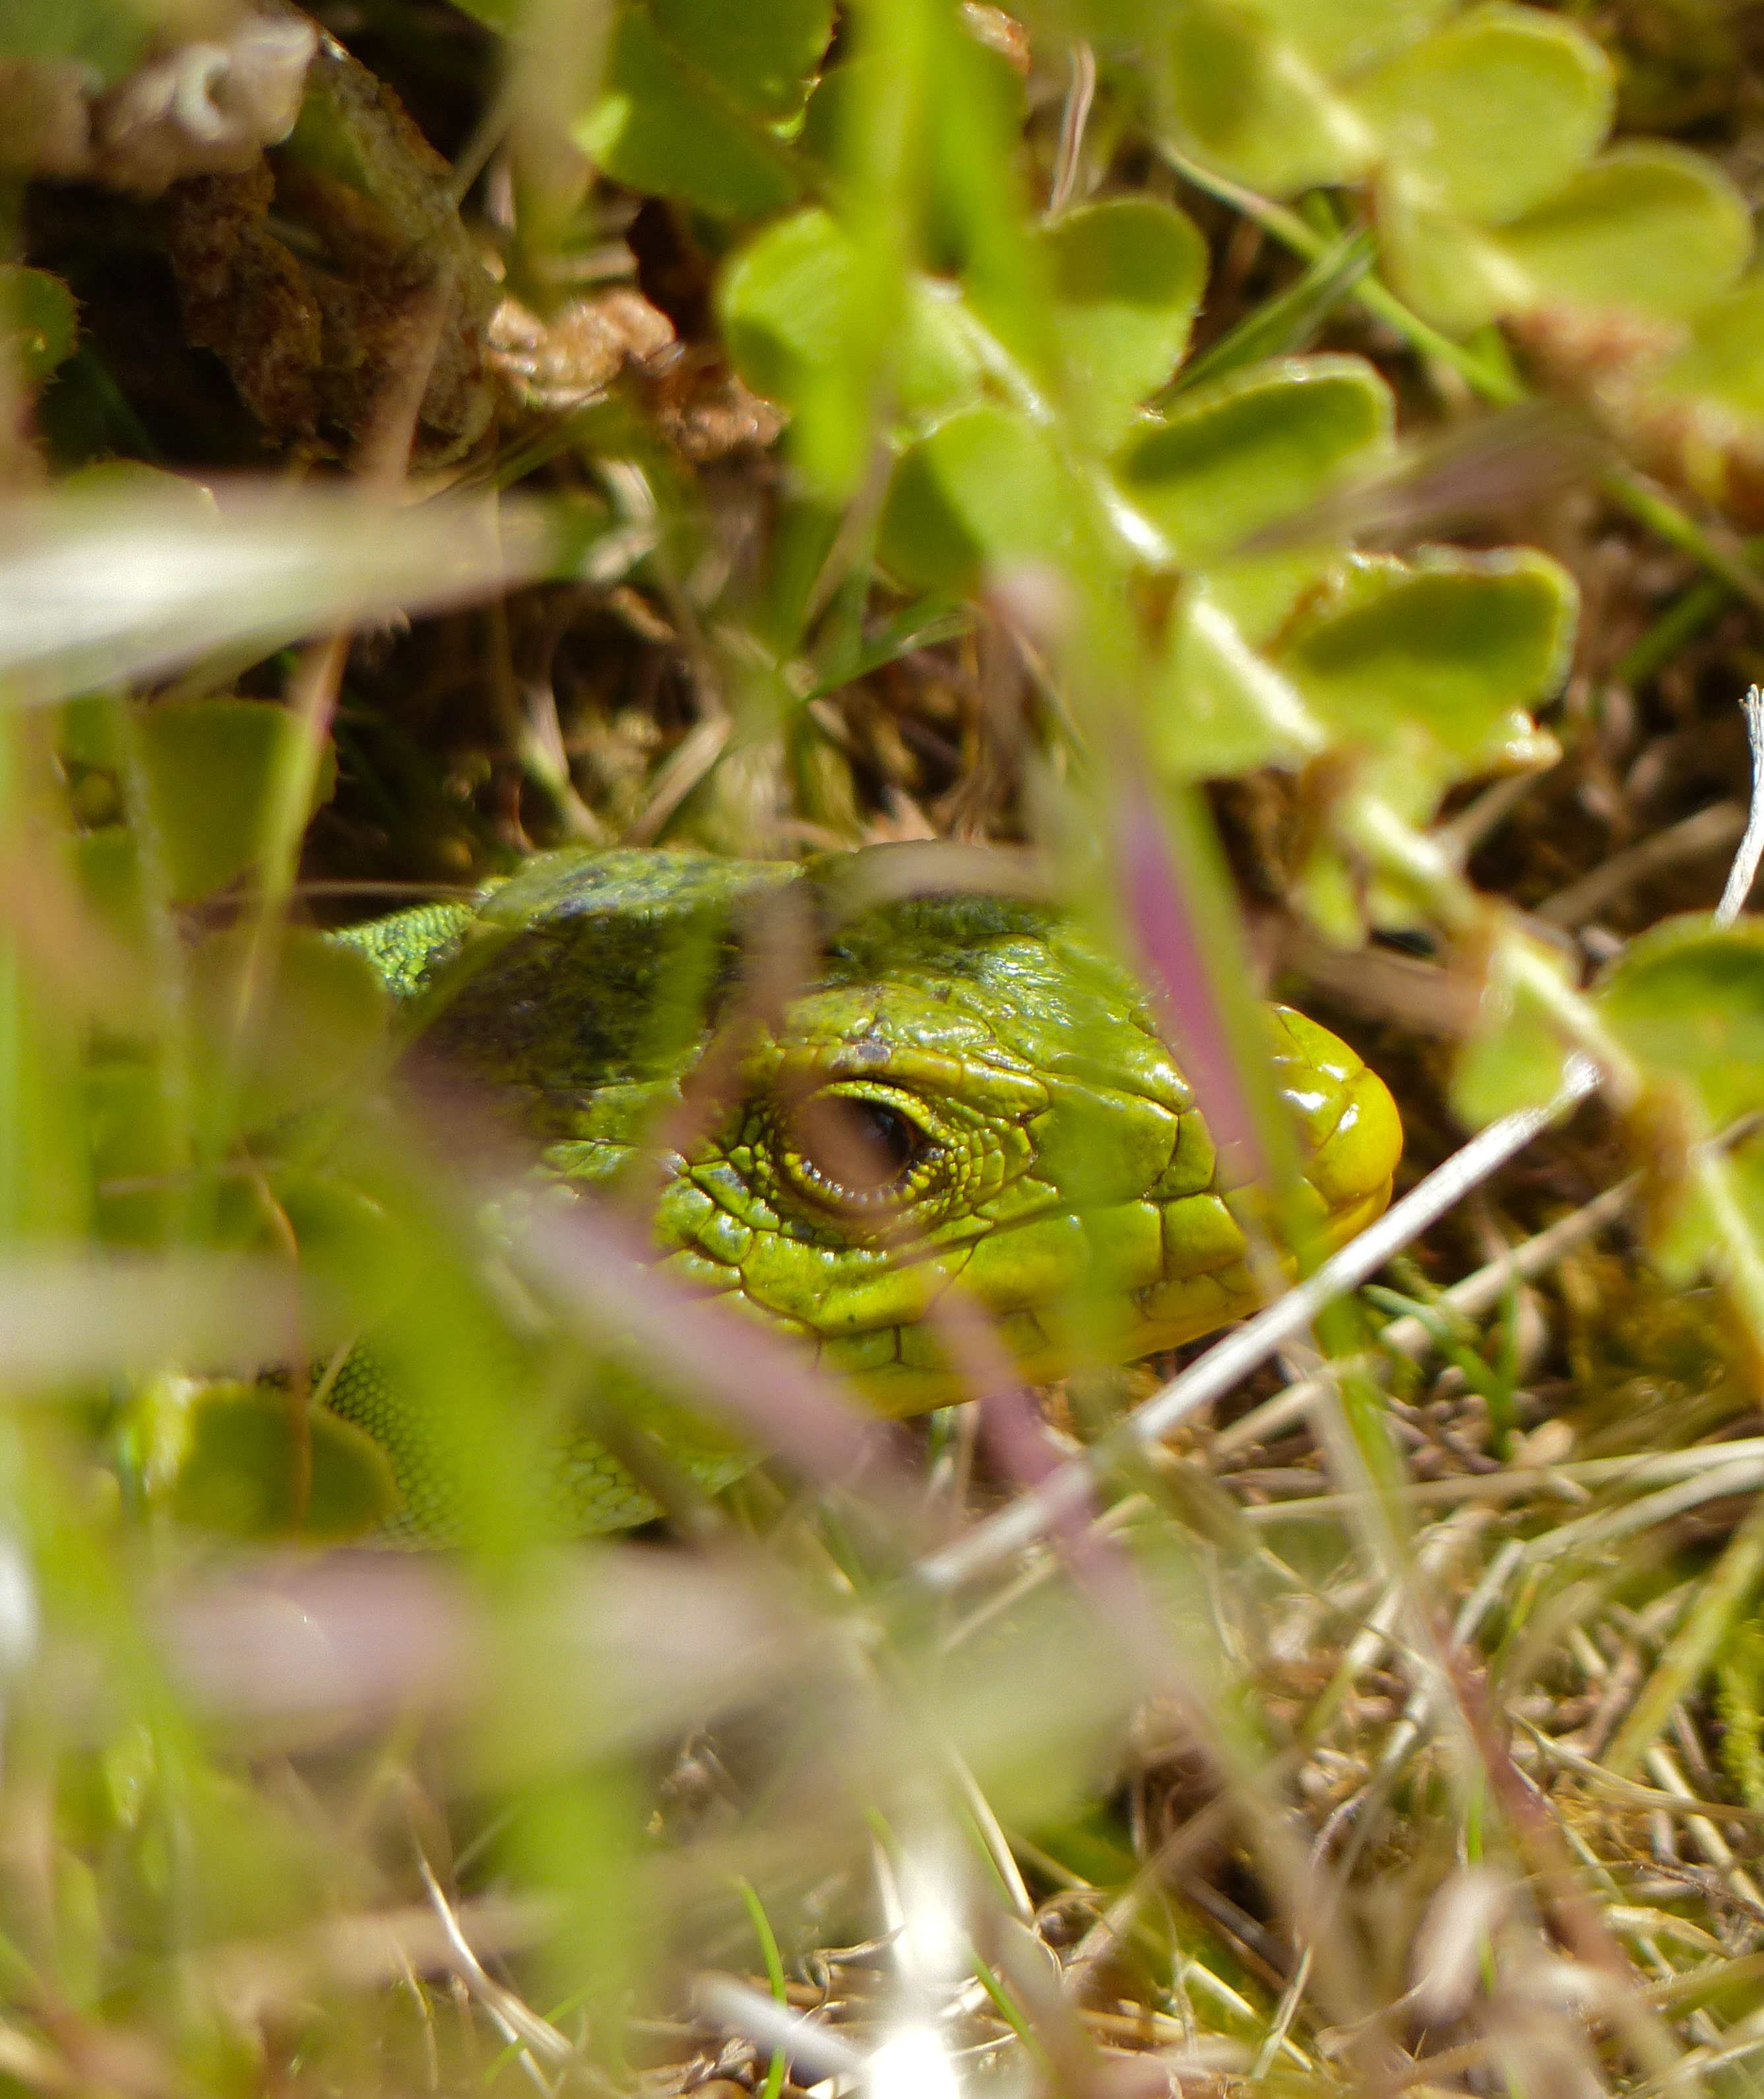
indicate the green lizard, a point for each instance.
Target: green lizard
{"x":965,"y":1091}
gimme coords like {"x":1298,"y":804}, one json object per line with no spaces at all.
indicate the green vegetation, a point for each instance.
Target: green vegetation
{"x":1205,"y":500}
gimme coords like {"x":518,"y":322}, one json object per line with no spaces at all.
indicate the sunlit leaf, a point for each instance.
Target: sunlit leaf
{"x":789,"y":306}
{"x":38,"y":321}
{"x":1338,"y":39}
{"x":1647,"y":227}
{"x":1249,"y":102}
{"x":1492,"y":114}
{"x":1218,"y":708}
{"x":658,"y":128}
{"x":1514,"y":1057}
{"x":1128,"y":277}
{"x":1255,"y":447}
{"x":985,"y":488}
{"x":1452,"y":645}
{"x":764,"y":58}
{"x":1686,"y":998}
{"x":210,"y":766}
{"x":1722,"y":363}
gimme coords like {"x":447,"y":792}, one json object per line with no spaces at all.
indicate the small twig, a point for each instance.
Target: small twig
{"x":1704,"y":1834}
{"x":1744,"y":872}
{"x":1491,"y":809}
{"x":684,"y":768}
{"x":520,"y":2025}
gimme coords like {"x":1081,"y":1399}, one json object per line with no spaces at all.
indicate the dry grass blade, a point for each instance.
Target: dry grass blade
{"x":1709,"y":831}
{"x":1744,"y":872}
{"x":822,"y":2054}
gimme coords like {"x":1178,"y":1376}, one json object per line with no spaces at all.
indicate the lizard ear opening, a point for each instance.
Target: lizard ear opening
{"x":853,"y":1151}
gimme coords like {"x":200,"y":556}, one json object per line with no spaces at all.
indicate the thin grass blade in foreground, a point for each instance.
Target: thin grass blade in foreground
{"x":593,"y":1267}
{"x":61,"y":1317}
{"x":116,"y":582}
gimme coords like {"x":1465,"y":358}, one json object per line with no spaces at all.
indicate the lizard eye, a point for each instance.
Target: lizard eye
{"x":854,"y":1150}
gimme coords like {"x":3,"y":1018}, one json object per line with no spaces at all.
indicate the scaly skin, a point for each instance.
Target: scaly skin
{"x":1051,"y":1158}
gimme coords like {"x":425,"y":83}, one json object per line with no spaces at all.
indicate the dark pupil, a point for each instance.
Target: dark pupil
{"x":886,"y":1137}
{"x":862,"y":1148}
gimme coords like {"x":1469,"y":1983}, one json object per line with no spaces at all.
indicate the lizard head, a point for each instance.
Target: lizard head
{"x":966,"y":1094}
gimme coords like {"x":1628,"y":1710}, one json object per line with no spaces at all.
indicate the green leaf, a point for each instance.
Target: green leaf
{"x":659,"y":129}
{"x":107,"y":864}
{"x":235,"y":1468}
{"x":351,"y":1248}
{"x":1256,"y":445}
{"x":317,"y":1028}
{"x":1217,"y":707}
{"x":1723,"y":362}
{"x":1493,"y":114}
{"x":210,"y":765}
{"x":1128,"y":277}
{"x":1513,"y":1057}
{"x":764,"y":58}
{"x":1454,"y":273}
{"x":1647,"y":227}
{"x":109,"y":36}
{"x":1452,"y":645}
{"x":1341,"y":37}
{"x":983,"y":489}
{"x":40,"y":320}
{"x":788,"y":303}
{"x":1241,"y":98}
{"x":1687,"y":998}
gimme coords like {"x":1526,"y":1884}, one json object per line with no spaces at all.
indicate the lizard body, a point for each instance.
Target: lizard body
{"x":961,"y":1091}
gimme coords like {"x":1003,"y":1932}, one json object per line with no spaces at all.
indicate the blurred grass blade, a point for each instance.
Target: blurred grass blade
{"x":1288,"y":322}
{"x":1174,"y":940}
{"x":105,"y":585}
{"x":1439,"y":485}
{"x":66,"y":1319}
{"x":595,"y":1272}
{"x":921,"y":626}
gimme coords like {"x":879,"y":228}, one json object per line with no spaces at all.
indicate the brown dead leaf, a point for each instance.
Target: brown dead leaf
{"x":552,"y":366}
{"x":705,"y":411}
{"x":374,"y":200}
{"x":244,"y":297}
{"x":377,"y":278}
